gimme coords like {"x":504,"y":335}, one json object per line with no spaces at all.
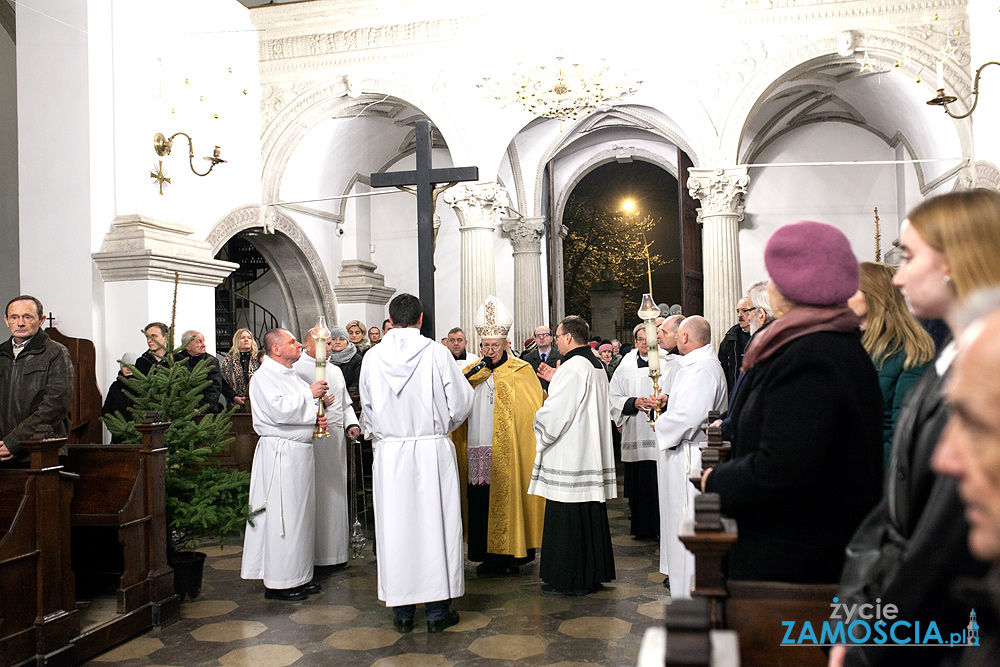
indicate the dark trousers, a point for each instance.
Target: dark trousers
{"x":434,"y":611}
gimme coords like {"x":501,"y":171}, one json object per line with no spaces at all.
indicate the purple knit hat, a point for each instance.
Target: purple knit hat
{"x":812,"y":263}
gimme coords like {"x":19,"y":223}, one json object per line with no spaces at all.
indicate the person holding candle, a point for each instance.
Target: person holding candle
{"x":631,"y":399}
{"x":279,"y":546}
{"x":330,"y":453}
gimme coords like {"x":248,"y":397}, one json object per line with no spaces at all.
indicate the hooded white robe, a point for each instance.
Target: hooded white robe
{"x":332,"y":522}
{"x":280,"y":545}
{"x":412,"y":397}
{"x":698,"y":386}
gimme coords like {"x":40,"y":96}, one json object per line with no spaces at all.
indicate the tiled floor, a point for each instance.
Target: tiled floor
{"x":504,"y":620}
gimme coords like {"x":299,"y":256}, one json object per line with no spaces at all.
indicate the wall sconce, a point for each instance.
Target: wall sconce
{"x":943,"y":100}
{"x":162,"y":146}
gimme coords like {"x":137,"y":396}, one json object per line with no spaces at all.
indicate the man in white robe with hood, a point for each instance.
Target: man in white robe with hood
{"x":698,"y":387}
{"x":631,"y":394}
{"x":279,"y":546}
{"x":412,"y":396}
{"x":332,"y":530}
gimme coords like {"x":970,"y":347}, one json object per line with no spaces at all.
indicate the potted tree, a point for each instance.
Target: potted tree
{"x":203,"y":500}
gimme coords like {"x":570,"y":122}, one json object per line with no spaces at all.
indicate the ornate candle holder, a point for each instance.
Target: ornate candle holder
{"x":648,"y":312}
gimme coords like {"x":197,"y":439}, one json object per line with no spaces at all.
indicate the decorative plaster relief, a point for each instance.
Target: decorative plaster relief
{"x":525,"y":233}
{"x":477,"y":205}
{"x":721,"y":191}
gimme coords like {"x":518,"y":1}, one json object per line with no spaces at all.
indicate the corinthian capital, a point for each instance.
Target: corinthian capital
{"x":525,"y":233}
{"x":477,"y":205}
{"x":720,"y":190}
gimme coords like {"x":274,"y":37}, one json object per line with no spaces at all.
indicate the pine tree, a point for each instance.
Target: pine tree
{"x":204,"y":500}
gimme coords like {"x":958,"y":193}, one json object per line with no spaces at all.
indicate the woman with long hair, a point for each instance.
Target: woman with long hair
{"x":912,"y":548}
{"x":898,"y":345}
{"x":240,"y":364}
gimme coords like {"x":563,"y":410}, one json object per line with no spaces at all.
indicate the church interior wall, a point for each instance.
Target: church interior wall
{"x":844,"y":196}
{"x":986,"y":18}
{"x":10,"y":272}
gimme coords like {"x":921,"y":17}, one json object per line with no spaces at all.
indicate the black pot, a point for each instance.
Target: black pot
{"x":189,"y":566}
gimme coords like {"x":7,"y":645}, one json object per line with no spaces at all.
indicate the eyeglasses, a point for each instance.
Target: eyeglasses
{"x":492,"y":347}
{"x":745,"y":310}
{"x":543,"y":335}
{"x":560,"y":335}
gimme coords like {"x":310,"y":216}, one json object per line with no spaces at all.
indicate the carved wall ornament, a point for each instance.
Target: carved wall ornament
{"x":525,"y":233}
{"x":478,"y":204}
{"x":720,"y":190}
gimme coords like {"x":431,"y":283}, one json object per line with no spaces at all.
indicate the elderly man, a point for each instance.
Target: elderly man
{"x":734,"y":344}
{"x":505,"y":523}
{"x":543,"y":353}
{"x":666,"y":335}
{"x":412,"y":396}
{"x":574,"y":468}
{"x":194,"y":351}
{"x":970,"y":451}
{"x":330,"y":454}
{"x":631,"y":395}
{"x":698,"y":386}
{"x":279,"y":546}
{"x":36,"y":391}
{"x":457,"y":343}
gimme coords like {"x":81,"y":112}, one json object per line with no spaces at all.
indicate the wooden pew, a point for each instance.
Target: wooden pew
{"x":119,"y":508}
{"x":754,"y":609}
{"x":38,"y":616}
{"x":85,"y":413}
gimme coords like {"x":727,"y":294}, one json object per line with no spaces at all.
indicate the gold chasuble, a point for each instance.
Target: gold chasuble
{"x":515,"y":518}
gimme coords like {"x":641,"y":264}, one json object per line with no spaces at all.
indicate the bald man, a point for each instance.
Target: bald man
{"x":698,"y":386}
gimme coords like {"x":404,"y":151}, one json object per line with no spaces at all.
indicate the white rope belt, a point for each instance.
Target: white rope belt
{"x":276,"y":465}
{"x":414,"y":437}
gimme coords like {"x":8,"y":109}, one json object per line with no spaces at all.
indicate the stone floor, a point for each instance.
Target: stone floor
{"x":504,"y":620}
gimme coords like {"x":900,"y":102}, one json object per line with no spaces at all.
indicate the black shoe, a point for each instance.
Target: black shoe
{"x":312,"y":588}
{"x":666,"y":582}
{"x":549,"y":589}
{"x":402,"y":627}
{"x":441,"y":624}
{"x":286,"y":594}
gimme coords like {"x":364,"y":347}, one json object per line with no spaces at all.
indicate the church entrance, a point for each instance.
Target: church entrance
{"x":249,"y":298}
{"x":611,"y":216}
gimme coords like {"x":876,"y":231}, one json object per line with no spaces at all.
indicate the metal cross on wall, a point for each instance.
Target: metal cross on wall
{"x":424,"y":177}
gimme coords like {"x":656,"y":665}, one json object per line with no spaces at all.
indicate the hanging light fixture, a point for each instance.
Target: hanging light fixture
{"x":563,"y":90}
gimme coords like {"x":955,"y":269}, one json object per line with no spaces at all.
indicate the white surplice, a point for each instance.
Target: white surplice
{"x":279,"y":546}
{"x":630,"y":381}
{"x":698,"y":386}
{"x":412,"y":397}
{"x":332,"y":522}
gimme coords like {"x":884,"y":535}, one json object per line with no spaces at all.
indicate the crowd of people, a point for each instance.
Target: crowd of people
{"x":864,"y":452}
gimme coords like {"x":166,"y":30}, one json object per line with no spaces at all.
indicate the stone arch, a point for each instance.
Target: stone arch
{"x":915,"y":58}
{"x":297,"y":266}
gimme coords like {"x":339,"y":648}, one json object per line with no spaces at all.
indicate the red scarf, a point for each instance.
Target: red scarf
{"x":800,"y":321}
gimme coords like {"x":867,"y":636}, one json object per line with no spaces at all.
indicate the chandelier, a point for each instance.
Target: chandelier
{"x":561,"y":91}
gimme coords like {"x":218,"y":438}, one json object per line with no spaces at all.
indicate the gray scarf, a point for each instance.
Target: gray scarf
{"x":344,"y":355}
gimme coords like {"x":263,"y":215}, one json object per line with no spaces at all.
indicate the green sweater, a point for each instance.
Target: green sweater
{"x":895,"y":384}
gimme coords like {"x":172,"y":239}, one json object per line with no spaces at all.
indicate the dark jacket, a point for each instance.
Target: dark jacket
{"x":731,"y":351}
{"x":36,"y":390}
{"x":117,"y":401}
{"x":217,"y":385}
{"x":807,"y":459}
{"x":351,"y":370}
{"x":146,"y":361}
{"x":534,"y":358}
{"x":895,"y":384}
{"x":913,"y":546}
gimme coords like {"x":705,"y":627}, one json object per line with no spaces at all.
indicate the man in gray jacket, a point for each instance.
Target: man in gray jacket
{"x":36,"y":380}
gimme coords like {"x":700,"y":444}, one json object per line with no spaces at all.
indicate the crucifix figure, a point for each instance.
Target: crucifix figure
{"x":424,"y":177}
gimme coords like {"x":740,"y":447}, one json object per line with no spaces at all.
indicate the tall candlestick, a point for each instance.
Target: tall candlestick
{"x":652,"y":349}
{"x":320,"y":333}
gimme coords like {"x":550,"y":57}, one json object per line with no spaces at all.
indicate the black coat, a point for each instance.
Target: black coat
{"x":731,"y":350}
{"x":534,"y":358}
{"x":217,"y":384}
{"x":807,"y":459}
{"x":913,"y":546}
{"x":351,"y":370}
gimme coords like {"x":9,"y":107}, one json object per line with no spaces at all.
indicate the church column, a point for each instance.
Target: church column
{"x":721,"y":192}
{"x":526,"y":239}
{"x":478,"y":207}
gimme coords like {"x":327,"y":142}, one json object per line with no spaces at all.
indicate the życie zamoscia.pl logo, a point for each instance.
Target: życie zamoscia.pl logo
{"x":867,"y":624}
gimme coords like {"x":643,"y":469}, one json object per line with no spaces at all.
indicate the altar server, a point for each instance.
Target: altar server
{"x":332,"y":530}
{"x":279,"y":546}
{"x":699,"y":386}
{"x":412,"y":396}
{"x":631,"y":394}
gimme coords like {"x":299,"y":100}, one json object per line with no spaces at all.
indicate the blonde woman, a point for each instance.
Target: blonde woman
{"x":898,"y":345}
{"x":913,"y":547}
{"x":357,"y":335}
{"x":240,"y":364}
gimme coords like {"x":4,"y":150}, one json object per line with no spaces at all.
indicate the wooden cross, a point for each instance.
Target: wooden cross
{"x":424,"y":177}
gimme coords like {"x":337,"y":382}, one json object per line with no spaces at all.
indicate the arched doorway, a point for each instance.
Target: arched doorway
{"x":297,"y":290}
{"x":604,"y":246}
